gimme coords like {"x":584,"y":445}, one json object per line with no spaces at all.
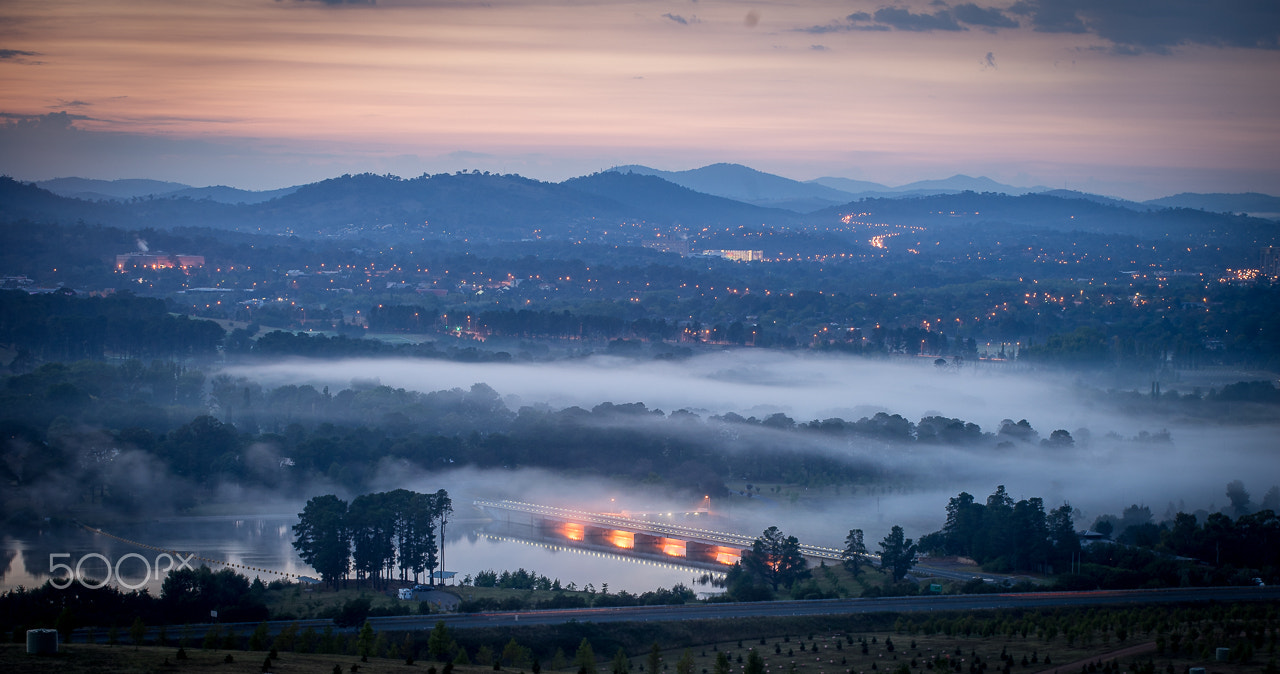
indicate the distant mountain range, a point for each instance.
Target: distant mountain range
{"x":509,"y":207}
{"x":746,"y":184}
{"x":742,"y":183}
{"x":729,"y":181}
{"x":1253,"y":203}
{"x":120,"y":190}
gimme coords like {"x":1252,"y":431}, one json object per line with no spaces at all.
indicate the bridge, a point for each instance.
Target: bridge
{"x":655,"y":534}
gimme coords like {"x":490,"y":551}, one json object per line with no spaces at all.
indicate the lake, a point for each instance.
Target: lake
{"x":265,"y":542}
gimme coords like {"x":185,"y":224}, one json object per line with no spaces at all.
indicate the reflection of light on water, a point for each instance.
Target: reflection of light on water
{"x":572,"y":531}
{"x":728,"y":556}
{"x":623,"y":539}
{"x":605,"y":555}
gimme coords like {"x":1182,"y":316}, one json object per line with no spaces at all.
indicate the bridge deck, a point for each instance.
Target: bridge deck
{"x":644,"y":526}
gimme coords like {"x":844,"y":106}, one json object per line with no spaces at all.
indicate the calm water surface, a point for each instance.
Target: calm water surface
{"x":266,"y":542}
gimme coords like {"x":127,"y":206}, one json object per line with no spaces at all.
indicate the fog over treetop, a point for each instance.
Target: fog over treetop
{"x":748,"y":382}
{"x":1106,"y":470}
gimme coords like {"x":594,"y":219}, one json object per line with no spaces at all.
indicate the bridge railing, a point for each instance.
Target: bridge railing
{"x":649,"y":526}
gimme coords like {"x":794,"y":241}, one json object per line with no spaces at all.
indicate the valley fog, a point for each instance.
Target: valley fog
{"x":1116,"y":460}
{"x":746,"y":382}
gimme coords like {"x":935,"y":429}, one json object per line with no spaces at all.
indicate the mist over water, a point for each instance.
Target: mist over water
{"x":755,"y":382}
{"x":1104,"y":472}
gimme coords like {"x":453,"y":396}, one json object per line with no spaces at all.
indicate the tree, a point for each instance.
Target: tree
{"x":854,"y":551}
{"x":66,"y":623}
{"x":442,"y":506}
{"x":371,"y":523}
{"x":440,"y":642}
{"x":620,"y":663}
{"x":722,"y":664}
{"x":1271,"y":499}
{"x":755,"y":664}
{"x":407,"y":648}
{"x":1239,"y":496}
{"x":515,"y":655}
{"x":416,"y":533}
{"x":137,"y":632}
{"x":323,"y":539}
{"x":1062,"y":532}
{"x":258,"y":640}
{"x":775,"y":559}
{"x":897,"y":554}
{"x":655,"y":659}
{"x":1060,"y":438}
{"x":1030,"y":534}
{"x":585,"y":658}
{"x":685,"y":664}
{"x":963,"y":529}
{"x":364,"y":642}
{"x":998,"y":536}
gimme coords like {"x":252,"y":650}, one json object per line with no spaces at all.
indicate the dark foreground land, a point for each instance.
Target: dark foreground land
{"x":1143,"y":638}
{"x":830,"y":651}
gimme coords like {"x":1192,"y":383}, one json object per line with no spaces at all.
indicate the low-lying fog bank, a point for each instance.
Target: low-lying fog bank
{"x":749,"y":382}
{"x":1106,"y":469}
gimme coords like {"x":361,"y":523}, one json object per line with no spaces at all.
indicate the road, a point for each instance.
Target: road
{"x":730,"y":539}
{"x":968,"y":602}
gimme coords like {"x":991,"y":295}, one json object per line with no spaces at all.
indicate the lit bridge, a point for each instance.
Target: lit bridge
{"x":689,"y":543}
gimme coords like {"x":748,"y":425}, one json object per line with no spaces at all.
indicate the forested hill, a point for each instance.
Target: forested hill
{"x":476,"y":206}
{"x":452,"y":206}
{"x":662,"y":202}
{"x":1044,"y":211}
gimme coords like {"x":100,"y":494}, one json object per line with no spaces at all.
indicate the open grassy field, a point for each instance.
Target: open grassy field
{"x":1090,"y":642}
{"x":93,"y":659}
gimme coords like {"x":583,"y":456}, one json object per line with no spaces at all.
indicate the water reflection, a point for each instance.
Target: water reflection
{"x":266,"y":543}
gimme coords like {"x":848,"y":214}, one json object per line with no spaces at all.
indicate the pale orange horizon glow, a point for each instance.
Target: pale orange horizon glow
{"x":626,"y":79}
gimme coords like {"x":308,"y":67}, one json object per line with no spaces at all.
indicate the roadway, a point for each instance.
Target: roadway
{"x":770,"y":609}
{"x":646,"y":526}
{"x":777,"y":609}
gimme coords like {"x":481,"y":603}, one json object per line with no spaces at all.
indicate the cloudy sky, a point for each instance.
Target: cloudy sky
{"x":1136,"y":98}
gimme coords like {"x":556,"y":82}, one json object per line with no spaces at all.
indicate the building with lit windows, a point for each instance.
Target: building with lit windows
{"x":737,"y":255}
{"x":149,"y":260}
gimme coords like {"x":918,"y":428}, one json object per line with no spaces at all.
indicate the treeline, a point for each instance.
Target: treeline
{"x":375,"y":535}
{"x":58,"y":326}
{"x":1235,"y":551}
{"x":1004,"y":535}
{"x":278,"y":343}
{"x":186,"y":596}
{"x":566,"y":324}
{"x":1202,"y":549}
{"x":588,"y":595}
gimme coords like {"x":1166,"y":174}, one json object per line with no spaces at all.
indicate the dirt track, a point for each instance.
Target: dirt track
{"x":1072,"y":667}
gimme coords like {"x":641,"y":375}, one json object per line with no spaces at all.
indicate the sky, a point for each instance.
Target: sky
{"x":1131,"y":98}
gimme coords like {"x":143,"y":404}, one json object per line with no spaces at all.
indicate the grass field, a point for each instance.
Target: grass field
{"x":87,"y":659}
{"x":830,"y":651}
